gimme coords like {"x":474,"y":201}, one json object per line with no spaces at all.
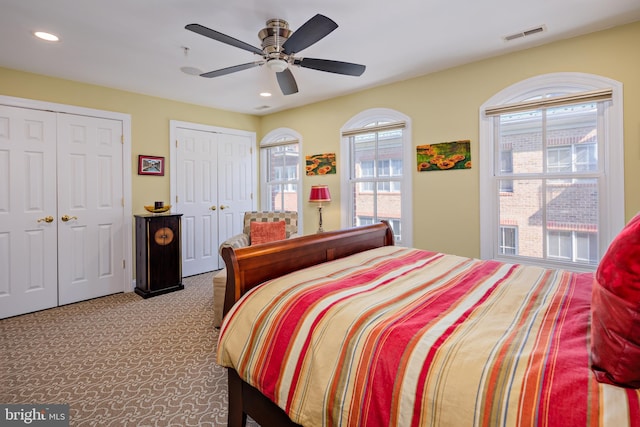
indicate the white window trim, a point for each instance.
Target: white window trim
{"x":359,"y":121}
{"x":611,"y":195}
{"x":266,"y":142}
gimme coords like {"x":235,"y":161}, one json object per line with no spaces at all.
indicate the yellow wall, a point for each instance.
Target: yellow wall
{"x":150,"y":118}
{"x":443,"y":107}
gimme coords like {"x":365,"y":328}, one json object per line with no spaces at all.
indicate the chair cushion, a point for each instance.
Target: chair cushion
{"x":615,"y":311}
{"x":265,"y":232}
{"x":289,"y":217}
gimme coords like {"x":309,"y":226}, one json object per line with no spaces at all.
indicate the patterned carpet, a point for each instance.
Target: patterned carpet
{"x":120,"y":360}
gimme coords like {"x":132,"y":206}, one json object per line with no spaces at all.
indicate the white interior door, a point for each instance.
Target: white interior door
{"x":28,"y":219}
{"x":235,"y":176}
{"x":214,"y":186}
{"x":197,"y":159}
{"x":90,"y":207}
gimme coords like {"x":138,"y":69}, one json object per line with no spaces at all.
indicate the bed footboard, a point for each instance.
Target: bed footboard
{"x":248,"y":267}
{"x":262,"y":410}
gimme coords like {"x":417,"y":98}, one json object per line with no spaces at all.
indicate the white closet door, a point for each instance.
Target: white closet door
{"x":214,"y":188}
{"x":197,"y":186}
{"x":235,"y":188}
{"x":90,"y":207}
{"x":28,"y":221}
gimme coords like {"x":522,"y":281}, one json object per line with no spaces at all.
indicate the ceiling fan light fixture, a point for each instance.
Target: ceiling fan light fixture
{"x":277,"y":65}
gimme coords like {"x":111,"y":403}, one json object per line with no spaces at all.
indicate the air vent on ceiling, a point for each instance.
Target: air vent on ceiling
{"x":263,"y":107}
{"x":525,"y":33}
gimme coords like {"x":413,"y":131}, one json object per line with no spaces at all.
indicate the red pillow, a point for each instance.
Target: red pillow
{"x":615,"y":311}
{"x":265,"y":232}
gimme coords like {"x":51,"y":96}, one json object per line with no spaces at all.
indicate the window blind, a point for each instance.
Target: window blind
{"x":574,"y":98}
{"x":377,"y":128}
{"x":278,"y":143}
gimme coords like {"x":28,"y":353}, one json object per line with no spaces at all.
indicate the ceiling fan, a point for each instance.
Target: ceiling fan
{"x":279,"y":45}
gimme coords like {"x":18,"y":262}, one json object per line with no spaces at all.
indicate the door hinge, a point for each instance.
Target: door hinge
{"x":122,"y":202}
{"x":121,"y":139}
{"x":124,"y":264}
{"x":176,"y":143}
{"x":251,"y":195}
{"x":176,"y":199}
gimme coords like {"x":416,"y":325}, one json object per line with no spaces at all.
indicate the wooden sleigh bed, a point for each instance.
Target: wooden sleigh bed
{"x":438,"y":340}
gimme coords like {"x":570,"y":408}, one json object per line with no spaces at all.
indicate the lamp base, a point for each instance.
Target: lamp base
{"x":320,"y":229}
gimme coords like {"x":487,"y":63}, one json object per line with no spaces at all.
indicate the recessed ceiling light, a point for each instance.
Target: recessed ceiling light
{"x":265,"y":94}
{"x":46,"y":36}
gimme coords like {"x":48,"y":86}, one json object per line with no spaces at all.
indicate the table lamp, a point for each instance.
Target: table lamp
{"x":319,"y":194}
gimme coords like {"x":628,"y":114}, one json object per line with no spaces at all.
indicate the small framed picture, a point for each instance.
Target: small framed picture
{"x":150,"y":165}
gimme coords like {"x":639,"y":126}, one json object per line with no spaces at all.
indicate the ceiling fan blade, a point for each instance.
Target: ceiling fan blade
{"x":329,"y":66}
{"x":309,"y":33}
{"x":229,"y":70}
{"x":223,"y":38}
{"x":287,"y":82}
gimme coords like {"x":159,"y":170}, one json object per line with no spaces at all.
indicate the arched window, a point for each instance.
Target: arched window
{"x":280,"y":171}
{"x":551,"y":171}
{"x":376,"y":172}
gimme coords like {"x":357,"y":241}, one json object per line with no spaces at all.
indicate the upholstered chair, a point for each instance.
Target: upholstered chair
{"x":290,"y":218}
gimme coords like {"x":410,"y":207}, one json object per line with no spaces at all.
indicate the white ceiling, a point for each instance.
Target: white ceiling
{"x":137,"y":45}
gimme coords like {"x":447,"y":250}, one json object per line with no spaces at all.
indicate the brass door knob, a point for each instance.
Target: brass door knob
{"x":46,"y":219}
{"x":212,"y":208}
{"x":66,"y":218}
{"x":223,"y":207}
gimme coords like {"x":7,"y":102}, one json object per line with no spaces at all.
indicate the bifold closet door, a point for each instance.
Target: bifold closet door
{"x":28,"y":217}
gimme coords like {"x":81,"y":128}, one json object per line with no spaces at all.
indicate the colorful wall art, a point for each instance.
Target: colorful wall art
{"x":444,"y":156}
{"x":321,"y":164}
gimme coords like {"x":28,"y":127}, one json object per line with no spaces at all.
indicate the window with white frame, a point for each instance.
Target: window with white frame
{"x":552,"y":177}
{"x":280,"y":171}
{"x":376,"y":149}
{"x":508,"y":244}
{"x":573,"y":246}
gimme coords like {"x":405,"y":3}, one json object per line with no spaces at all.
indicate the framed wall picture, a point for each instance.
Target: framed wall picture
{"x":150,"y":165}
{"x":321,"y":164}
{"x":444,"y":156}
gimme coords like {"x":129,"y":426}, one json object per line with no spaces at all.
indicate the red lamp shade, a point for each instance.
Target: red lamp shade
{"x":320,"y":193}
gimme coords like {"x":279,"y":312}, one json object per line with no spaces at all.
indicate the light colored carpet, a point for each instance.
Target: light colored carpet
{"x":120,"y":360}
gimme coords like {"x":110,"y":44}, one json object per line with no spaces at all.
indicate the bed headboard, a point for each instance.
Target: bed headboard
{"x":252,"y":265}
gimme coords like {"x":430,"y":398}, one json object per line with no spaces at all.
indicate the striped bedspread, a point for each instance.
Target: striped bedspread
{"x":405,"y":337}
